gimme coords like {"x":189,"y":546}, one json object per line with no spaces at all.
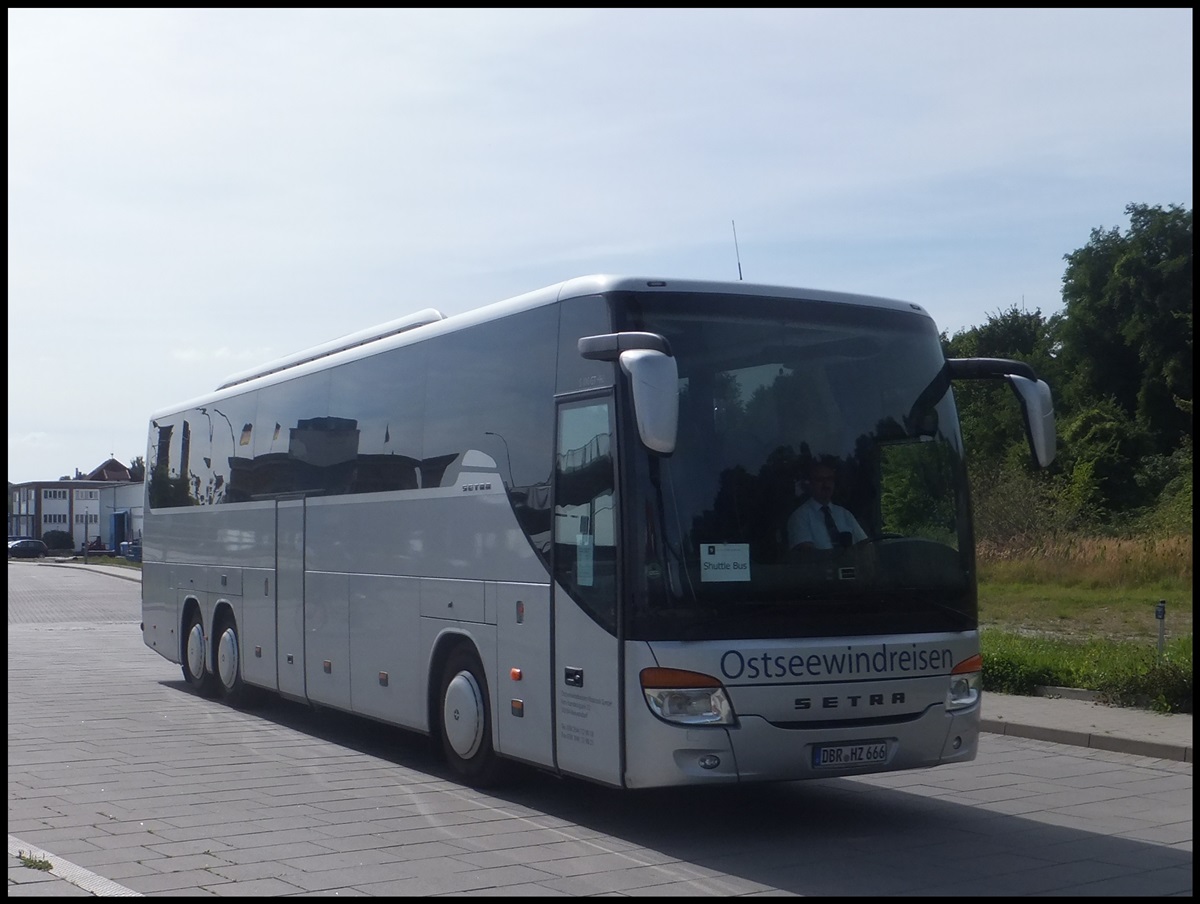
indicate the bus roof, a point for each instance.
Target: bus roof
{"x":430,"y":322}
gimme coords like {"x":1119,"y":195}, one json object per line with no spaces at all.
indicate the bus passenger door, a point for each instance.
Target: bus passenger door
{"x":587,"y":666}
{"x":289,"y":596}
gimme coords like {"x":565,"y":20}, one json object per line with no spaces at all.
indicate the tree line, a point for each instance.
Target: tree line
{"x":1118,"y":359}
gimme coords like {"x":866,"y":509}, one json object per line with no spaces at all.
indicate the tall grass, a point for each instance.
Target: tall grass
{"x":1142,"y":563}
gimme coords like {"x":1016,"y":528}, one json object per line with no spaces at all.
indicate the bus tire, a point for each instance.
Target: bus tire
{"x":230,"y":686}
{"x":196,"y":671}
{"x":465,"y":720}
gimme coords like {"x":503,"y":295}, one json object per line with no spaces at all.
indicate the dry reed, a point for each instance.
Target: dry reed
{"x":1091,"y":561}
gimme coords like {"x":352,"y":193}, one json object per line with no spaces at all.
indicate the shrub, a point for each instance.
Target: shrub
{"x":1122,"y":674}
{"x":58,"y":539}
{"x":1014,"y":664}
{"x":1162,"y":684}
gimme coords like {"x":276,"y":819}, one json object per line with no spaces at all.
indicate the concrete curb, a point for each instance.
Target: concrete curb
{"x":1095,"y":741}
{"x":115,"y":571}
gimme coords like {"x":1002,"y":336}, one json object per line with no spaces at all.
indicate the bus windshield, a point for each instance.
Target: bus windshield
{"x":786,"y":405}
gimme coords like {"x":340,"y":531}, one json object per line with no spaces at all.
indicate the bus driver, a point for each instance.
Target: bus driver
{"x":819,"y":523}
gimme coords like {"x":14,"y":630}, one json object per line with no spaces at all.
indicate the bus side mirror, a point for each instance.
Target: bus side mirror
{"x":1037,"y":407}
{"x":654,"y":379}
{"x":1037,"y":410}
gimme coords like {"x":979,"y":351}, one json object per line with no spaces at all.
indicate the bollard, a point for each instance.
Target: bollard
{"x":1160,"y":613}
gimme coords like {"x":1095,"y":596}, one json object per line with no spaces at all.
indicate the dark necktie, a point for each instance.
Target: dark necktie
{"x":835,"y":535}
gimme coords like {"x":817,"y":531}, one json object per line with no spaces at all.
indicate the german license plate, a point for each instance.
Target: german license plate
{"x":839,"y":756}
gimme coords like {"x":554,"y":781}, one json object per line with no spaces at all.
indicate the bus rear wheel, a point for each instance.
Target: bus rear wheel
{"x":465,"y":722}
{"x":196,"y":671}
{"x":232,"y":688}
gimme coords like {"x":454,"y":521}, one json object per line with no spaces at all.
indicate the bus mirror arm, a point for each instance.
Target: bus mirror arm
{"x":1037,"y":405}
{"x":987,"y":368}
{"x":610,"y":346}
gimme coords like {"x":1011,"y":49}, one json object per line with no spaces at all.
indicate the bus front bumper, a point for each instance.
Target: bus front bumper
{"x":758,"y":751}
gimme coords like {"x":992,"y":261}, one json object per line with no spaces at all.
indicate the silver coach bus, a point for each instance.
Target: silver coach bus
{"x":554,"y":530}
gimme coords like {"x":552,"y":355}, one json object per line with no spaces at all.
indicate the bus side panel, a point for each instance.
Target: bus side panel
{"x":190,"y":583}
{"x":190,"y":580}
{"x":327,"y":638}
{"x":443,"y":532}
{"x":586,"y":697}
{"x":523,"y":694}
{"x":160,"y":611}
{"x":385,"y":660}
{"x":258,"y":628}
{"x":289,"y":596}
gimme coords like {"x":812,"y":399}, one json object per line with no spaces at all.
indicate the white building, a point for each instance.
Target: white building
{"x":106,"y":504}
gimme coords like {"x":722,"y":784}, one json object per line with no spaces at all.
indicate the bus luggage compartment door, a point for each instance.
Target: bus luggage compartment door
{"x":289,"y":596}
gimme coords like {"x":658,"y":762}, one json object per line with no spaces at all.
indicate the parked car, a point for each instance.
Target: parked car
{"x":26,"y":549}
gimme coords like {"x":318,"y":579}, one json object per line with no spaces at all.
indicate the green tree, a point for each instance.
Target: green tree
{"x":1102,"y":449}
{"x":1126,"y":329}
{"x":1119,"y":364}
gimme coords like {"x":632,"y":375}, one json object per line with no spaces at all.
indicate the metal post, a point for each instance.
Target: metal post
{"x":1160,"y":613}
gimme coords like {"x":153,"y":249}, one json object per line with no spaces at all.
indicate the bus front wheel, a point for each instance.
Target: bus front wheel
{"x":195,"y":657}
{"x":466,"y":722}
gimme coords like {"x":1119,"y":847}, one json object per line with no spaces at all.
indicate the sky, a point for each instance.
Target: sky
{"x":192,"y":193}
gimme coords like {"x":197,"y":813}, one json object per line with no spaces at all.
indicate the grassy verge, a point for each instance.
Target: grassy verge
{"x":114,"y":561}
{"x":1122,"y":673}
{"x":1082,"y":614}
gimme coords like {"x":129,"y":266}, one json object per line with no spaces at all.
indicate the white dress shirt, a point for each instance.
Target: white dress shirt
{"x":807,"y":525}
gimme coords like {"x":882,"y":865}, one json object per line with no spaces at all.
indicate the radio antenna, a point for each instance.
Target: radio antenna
{"x":737,"y":253}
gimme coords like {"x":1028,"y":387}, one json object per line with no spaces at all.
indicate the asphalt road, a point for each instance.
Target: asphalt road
{"x":128,"y":784}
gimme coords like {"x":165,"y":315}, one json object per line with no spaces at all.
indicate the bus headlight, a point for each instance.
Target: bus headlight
{"x":686,"y":698}
{"x":966,"y":681}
